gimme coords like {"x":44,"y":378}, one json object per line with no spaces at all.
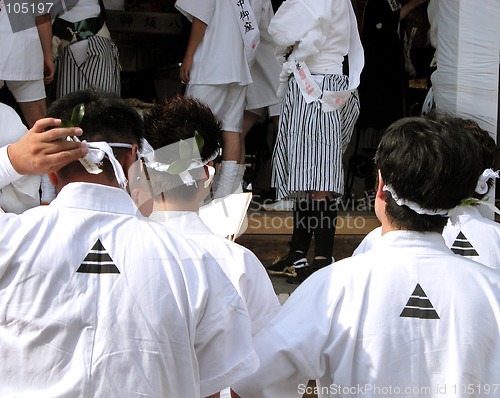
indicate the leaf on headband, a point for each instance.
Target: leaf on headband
{"x":185,"y":150}
{"x":179,"y":166}
{"x":76,"y":117}
{"x":200,"y":142}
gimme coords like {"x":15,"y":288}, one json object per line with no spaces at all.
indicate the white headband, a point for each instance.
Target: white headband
{"x":415,"y":206}
{"x":93,"y":159}
{"x":148,"y":153}
{"x":482,"y":182}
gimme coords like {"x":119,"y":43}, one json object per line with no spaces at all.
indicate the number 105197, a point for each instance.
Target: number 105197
{"x":25,"y":8}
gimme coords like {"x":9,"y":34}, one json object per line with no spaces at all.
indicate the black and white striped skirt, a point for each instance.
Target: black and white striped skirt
{"x":310,"y":143}
{"x":100,"y":71}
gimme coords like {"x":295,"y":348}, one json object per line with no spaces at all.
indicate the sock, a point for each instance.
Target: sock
{"x":237,"y":188}
{"x":229,"y":169}
{"x":302,"y":234}
{"x":323,"y":217}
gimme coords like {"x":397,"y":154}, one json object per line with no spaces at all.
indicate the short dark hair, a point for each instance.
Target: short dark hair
{"x":489,"y":149}
{"x":178,"y":118}
{"x":172,"y":120}
{"x":107,"y":118}
{"x":430,"y":160}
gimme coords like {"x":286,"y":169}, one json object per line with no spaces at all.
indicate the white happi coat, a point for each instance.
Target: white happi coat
{"x":98,"y":302}
{"x":407,"y":319}
{"x":467,"y":234}
{"x":471,"y":235}
{"x":240,"y":265}
{"x":17,"y":193}
{"x":220,"y":56}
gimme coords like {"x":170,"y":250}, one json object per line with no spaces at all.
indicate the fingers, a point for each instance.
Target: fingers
{"x":40,"y":151}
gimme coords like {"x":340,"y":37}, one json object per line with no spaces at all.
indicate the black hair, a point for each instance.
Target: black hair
{"x":430,"y":160}
{"x":178,"y":118}
{"x":175,"y":119}
{"x":107,"y":118}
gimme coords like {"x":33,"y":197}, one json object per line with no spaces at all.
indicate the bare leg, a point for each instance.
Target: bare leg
{"x":33,"y":111}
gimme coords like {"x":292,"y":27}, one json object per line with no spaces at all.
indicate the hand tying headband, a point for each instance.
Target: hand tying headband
{"x":482,"y":182}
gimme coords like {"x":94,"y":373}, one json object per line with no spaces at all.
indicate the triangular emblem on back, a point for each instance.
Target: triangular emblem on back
{"x":462,"y":247}
{"x":98,"y":261}
{"x":419,"y":306}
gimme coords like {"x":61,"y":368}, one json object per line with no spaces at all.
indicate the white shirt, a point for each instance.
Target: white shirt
{"x":17,"y":193}
{"x":321,"y":30}
{"x":98,"y":302}
{"x":21,"y":52}
{"x":408,"y":317}
{"x":469,"y":234}
{"x":240,"y":265}
{"x":220,"y":57}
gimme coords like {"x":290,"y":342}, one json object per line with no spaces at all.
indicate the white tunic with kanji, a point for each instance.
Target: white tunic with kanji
{"x":407,"y":318}
{"x":98,"y":302}
{"x":240,"y":265}
{"x":220,"y":56}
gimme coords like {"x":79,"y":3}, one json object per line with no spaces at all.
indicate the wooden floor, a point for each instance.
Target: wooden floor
{"x":268,"y":235}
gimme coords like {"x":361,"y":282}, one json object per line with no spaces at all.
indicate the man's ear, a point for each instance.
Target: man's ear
{"x":130,"y":158}
{"x":380,"y":193}
{"x":53,"y":178}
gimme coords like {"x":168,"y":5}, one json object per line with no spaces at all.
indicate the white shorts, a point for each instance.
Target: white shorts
{"x":227,"y":102}
{"x":263,"y":113}
{"x":25,"y":91}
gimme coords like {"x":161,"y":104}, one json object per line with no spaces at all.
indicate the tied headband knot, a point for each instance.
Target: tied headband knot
{"x":97,"y":151}
{"x":482,"y":182}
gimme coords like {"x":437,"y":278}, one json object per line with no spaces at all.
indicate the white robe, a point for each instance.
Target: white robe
{"x":98,"y":302}
{"x":241,"y":266}
{"x":408,"y":318}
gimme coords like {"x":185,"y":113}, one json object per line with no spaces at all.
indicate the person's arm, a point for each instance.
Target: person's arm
{"x":44,"y":26}
{"x":409,"y":7}
{"x":41,"y":152}
{"x":198,"y":29}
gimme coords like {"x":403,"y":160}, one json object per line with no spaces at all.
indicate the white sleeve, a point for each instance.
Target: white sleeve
{"x":291,"y":350}
{"x":284,"y":27}
{"x":223,"y":341}
{"x":7,"y":172}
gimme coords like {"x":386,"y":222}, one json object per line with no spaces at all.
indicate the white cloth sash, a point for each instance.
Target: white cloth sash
{"x":248,"y":28}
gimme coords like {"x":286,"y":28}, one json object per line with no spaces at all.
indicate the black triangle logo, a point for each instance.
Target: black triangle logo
{"x":419,"y":306}
{"x":463,"y":247}
{"x":98,"y":261}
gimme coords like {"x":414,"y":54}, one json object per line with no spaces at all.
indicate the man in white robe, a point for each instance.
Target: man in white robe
{"x":177,"y":197}
{"x":97,"y":301}
{"x":468,"y":233}
{"x":408,"y":318}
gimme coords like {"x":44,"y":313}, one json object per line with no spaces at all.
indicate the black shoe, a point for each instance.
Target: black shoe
{"x":288,"y":265}
{"x":303,"y":273}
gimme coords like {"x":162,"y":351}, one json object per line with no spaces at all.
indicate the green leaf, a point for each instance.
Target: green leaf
{"x":179,"y":166}
{"x":199,"y":143}
{"x":77,"y":115}
{"x":66,"y":123}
